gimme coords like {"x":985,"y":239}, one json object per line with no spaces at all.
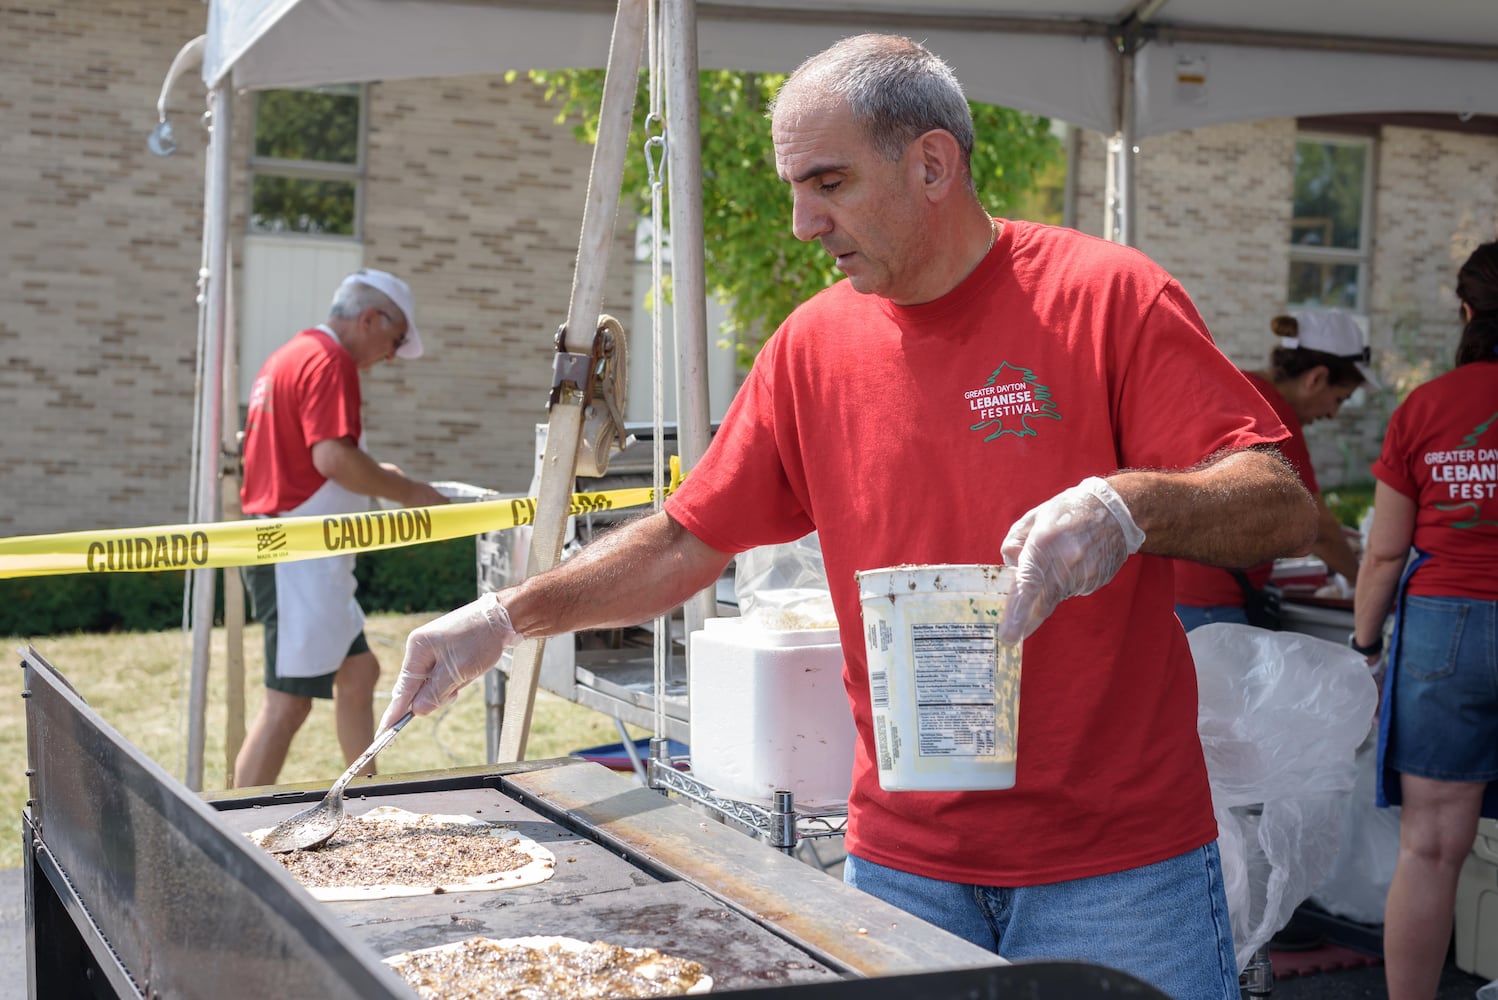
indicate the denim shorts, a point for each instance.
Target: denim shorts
{"x":1194,"y":617}
{"x":1166,"y":923}
{"x":1445,"y":720}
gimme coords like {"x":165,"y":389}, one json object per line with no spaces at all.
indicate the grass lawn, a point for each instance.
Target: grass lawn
{"x":138,"y":682}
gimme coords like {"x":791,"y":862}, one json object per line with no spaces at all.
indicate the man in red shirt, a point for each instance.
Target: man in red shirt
{"x":978,"y":391}
{"x":302,"y":457}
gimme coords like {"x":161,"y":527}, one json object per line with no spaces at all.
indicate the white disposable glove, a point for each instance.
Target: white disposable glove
{"x":444,"y":655}
{"x":1068,"y":546}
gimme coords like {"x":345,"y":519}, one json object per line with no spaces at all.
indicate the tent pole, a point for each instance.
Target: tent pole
{"x":211,"y":311}
{"x":688,"y":282}
{"x":1119,"y":183}
{"x":233,"y":583}
{"x":564,"y":426}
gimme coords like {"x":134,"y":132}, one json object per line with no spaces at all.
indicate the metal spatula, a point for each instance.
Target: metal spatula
{"x":315,"y":824}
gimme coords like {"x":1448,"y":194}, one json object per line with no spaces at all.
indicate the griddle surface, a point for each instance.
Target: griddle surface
{"x":594,"y":894}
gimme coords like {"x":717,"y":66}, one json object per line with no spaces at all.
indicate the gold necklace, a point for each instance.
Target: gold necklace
{"x":993,"y":235}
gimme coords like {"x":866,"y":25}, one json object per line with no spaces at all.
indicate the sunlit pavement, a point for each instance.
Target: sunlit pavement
{"x":12,"y":934}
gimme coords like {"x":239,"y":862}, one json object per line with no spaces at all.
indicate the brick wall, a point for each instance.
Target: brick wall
{"x":98,"y":266}
{"x":474,"y":194}
{"x":1214,"y":210}
{"x":1437,"y":198}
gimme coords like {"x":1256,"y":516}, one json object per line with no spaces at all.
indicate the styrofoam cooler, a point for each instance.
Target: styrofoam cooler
{"x":769,"y":712}
{"x":1477,"y":906}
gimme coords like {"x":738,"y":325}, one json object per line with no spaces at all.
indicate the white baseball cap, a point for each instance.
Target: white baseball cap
{"x":399,"y":293}
{"x":1334,"y":331}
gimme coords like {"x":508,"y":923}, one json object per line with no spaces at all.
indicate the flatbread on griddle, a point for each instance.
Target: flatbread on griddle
{"x":545,"y":968}
{"x":389,"y":852}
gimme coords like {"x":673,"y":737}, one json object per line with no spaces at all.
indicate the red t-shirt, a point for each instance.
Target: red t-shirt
{"x":1202,"y":586}
{"x":1441,"y":450}
{"x":919,"y":435}
{"x":307,"y":391}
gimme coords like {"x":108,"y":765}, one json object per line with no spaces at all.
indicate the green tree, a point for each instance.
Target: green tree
{"x":753,"y":263}
{"x":320,"y":126}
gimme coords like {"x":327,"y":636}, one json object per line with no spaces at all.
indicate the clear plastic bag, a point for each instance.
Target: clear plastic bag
{"x":784,"y":587}
{"x":1280,"y":715}
{"x":1358,"y":883}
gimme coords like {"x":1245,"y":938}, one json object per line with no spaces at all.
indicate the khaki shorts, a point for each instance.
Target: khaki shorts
{"x":260,"y":581}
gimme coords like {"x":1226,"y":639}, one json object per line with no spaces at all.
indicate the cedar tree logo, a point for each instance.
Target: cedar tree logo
{"x":1009,"y":401}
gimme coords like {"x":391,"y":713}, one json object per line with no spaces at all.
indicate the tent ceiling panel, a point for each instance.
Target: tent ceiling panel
{"x":1190,"y":85}
{"x":1060,"y":76}
{"x":1449,"y":22}
{"x":1441,"y":22}
{"x":1199,"y":61}
{"x":338,"y":41}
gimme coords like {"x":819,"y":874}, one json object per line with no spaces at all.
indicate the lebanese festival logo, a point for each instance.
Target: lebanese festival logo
{"x":1469,"y":475}
{"x":1010,"y":402}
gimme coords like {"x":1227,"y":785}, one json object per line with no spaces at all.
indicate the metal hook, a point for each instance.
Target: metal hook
{"x":652,"y":165}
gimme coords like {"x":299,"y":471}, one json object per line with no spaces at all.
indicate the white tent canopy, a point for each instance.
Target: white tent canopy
{"x":1196,"y":62}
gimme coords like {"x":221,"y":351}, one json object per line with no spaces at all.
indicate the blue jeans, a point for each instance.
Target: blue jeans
{"x":1445,"y":719}
{"x":1192,"y":617}
{"x":1166,"y":923}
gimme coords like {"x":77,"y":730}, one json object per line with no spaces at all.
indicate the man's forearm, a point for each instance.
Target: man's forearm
{"x":1331,"y":544}
{"x":356,"y":471}
{"x":628,"y":576}
{"x":1239,"y":510}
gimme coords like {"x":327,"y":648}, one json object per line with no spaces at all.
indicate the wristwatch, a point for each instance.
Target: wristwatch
{"x":1374,"y":649}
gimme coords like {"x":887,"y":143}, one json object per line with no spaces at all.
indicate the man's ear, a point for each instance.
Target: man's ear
{"x":1317,"y":377}
{"x":940,"y":159}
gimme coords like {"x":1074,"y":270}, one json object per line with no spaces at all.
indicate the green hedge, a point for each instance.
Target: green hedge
{"x":1349,"y":502}
{"x":438,"y":576}
{"x":435,"y":577}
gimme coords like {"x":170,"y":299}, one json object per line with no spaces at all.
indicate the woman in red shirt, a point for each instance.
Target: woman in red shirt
{"x":1437,"y":498}
{"x":1321,"y":360}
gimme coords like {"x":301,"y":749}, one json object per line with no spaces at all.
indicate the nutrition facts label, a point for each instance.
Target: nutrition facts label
{"x":954,"y":685}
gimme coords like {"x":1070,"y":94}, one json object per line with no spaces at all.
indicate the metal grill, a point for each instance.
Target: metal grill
{"x":136,"y":887}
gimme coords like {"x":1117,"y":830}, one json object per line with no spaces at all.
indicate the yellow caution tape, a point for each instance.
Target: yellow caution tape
{"x":285,"y":539}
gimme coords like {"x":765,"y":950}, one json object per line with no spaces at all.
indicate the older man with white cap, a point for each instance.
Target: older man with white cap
{"x":303,"y":457}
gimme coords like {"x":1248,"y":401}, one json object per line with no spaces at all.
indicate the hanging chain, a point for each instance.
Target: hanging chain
{"x":655,"y":163}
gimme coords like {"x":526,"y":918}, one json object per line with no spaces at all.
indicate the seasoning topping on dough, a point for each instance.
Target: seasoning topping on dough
{"x":373,"y":852}
{"x":545,"y":968}
{"x":393,"y":852}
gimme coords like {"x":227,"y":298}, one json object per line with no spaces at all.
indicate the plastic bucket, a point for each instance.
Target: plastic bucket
{"x":945,"y":694}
